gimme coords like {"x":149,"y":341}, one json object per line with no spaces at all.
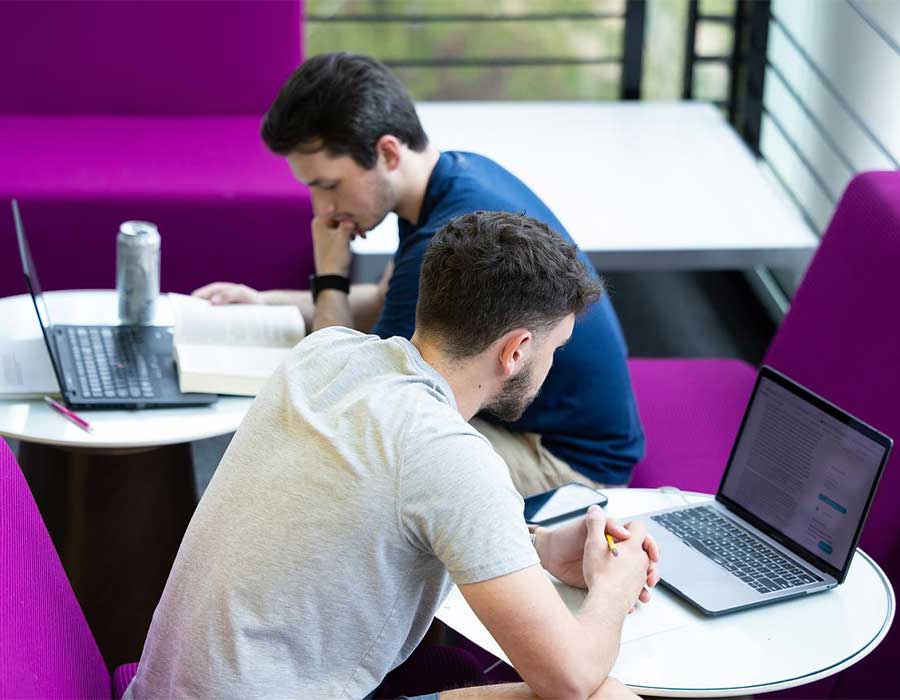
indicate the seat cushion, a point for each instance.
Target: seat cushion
{"x":123,"y":57}
{"x":226,"y":207}
{"x":691,"y":411}
{"x":121,"y":678}
{"x":46,"y":646}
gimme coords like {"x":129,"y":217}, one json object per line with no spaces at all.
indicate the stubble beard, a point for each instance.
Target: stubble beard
{"x":515,"y":396}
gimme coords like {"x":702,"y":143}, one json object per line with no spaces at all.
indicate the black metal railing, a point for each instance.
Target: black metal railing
{"x":692,"y":58}
{"x":630,"y":59}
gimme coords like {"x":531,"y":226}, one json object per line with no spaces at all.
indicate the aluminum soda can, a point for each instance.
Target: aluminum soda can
{"x":137,"y":271}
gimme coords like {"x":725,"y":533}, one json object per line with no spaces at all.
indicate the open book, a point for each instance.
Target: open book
{"x":231,"y":349}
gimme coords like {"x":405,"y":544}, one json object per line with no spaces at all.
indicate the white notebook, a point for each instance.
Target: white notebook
{"x":25,"y":369}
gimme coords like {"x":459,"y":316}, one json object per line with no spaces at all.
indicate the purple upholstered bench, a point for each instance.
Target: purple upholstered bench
{"x":146,"y":110}
{"x":46,"y":646}
{"x":841,"y":338}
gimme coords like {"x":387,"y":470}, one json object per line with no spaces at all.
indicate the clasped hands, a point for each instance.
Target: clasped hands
{"x":577,"y":554}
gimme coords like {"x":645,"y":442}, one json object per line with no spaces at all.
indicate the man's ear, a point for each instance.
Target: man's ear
{"x":389,"y":148}
{"x":514,"y":348}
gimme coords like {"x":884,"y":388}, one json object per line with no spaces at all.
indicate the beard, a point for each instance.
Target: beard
{"x":515,"y":396}
{"x":385,"y":203}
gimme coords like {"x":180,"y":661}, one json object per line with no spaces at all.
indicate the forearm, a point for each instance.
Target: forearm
{"x":600,"y":621}
{"x":366,"y":302}
{"x":332,"y":309}
{"x":610,"y":690}
{"x":292,"y":297}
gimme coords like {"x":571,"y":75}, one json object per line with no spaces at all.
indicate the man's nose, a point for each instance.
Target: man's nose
{"x":323,"y":205}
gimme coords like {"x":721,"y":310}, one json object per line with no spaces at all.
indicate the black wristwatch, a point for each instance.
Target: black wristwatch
{"x":319,"y":282}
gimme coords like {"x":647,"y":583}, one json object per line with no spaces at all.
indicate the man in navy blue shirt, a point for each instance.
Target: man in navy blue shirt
{"x":350,"y":133}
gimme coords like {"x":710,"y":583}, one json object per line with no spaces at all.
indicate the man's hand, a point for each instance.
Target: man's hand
{"x":561,"y":549}
{"x":331,"y":246}
{"x":229,"y":293}
{"x":633,"y":572}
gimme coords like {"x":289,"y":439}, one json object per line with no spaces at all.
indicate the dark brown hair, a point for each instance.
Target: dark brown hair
{"x":486,"y":273}
{"x":345,"y":101}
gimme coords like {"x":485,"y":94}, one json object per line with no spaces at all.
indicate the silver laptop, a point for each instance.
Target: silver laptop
{"x":789,"y":511}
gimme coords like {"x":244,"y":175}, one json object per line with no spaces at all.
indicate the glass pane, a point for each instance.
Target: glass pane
{"x":716,"y":7}
{"x":711,"y":81}
{"x":713,"y":39}
{"x":664,"y":44}
{"x":513,"y":83}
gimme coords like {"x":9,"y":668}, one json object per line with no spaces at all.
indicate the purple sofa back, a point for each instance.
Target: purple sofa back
{"x":191,"y":57}
{"x":46,"y":647}
{"x":841,"y":338}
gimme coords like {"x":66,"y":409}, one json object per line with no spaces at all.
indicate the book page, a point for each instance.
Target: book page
{"x":223,"y":370}
{"x":197,"y":322}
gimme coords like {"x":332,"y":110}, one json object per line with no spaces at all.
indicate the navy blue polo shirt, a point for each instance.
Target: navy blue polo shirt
{"x":585,"y":412}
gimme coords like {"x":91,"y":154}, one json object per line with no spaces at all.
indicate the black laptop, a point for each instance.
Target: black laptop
{"x":107,"y":366}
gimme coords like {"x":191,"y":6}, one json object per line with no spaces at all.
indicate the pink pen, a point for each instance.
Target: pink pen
{"x":71,"y":415}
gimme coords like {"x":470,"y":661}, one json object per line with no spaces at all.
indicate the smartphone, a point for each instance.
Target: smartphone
{"x":565,"y":502}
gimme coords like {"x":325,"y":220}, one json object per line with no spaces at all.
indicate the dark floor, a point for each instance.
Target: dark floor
{"x":690,"y":314}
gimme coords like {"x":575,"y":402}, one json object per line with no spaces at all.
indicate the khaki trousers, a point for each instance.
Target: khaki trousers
{"x":533,"y":468}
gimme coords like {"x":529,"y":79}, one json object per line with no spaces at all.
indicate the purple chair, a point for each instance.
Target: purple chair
{"x":149,"y":110}
{"x":842,"y":340}
{"x":691,"y":411}
{"x":46,"y":647}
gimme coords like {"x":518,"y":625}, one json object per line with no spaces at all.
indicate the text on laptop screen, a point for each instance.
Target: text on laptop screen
{"x":803,"y":472}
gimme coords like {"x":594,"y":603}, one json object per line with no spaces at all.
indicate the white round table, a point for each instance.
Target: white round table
{"x":116,"y":500}
{"x":35,"y":422}
{"x":670,"y":649}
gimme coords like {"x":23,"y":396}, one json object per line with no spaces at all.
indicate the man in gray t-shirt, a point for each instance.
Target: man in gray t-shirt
{"x":355,"y":493}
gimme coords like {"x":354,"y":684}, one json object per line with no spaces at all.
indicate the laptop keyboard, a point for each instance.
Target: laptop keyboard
{"x":735,"y":549}
{"x":110,"y":364}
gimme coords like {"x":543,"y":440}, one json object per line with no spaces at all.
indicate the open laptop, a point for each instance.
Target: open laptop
{"x":107,"y":366}
{"x":789,"y":511}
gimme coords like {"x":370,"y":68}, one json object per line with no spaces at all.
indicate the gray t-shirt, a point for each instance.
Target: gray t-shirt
{"x":320,"y":552}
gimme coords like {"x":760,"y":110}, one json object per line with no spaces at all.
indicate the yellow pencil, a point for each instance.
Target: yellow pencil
{"x":612,"y":545}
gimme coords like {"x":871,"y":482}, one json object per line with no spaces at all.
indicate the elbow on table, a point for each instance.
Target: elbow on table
{"x":567,"y":685}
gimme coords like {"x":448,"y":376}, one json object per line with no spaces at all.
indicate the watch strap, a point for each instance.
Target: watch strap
{"x":319,"y":282}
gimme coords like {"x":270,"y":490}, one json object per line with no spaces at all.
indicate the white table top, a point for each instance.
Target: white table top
{"x":34,"y":421}
{"x":669,"y":649}
{"x":638,"y":185}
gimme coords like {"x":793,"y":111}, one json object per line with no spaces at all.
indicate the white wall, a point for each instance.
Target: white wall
{"x":861,"y":65}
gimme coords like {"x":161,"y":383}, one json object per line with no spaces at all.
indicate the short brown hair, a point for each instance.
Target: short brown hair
{"x":347,"y":101}
{"x":486,"y":273}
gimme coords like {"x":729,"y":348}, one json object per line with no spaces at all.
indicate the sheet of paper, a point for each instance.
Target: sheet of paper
{"x":662,"y":614}
{"x":25,"y":369}
{"x":197,"y":322}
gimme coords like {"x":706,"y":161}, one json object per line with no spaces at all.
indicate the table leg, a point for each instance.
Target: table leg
{"x":116,"y":521}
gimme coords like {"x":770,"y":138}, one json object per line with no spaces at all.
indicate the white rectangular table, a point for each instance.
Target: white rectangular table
{"x":638,"y":185}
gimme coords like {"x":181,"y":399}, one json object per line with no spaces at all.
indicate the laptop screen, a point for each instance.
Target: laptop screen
{"x":31,"y":278}
{"x":805,"y":468}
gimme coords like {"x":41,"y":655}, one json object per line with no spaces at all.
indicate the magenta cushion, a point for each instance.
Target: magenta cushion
{"x":121,"y":678}
{"x":226,"y":207}
{"x":146,"y":57}
{"x":46,"y":647}
{"x":691,"y":411}
{"x":841,"y":338}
